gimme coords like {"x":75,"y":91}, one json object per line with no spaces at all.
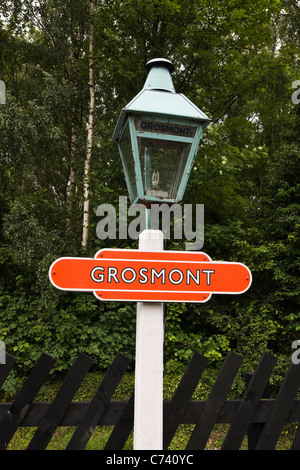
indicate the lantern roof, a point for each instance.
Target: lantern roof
{"x":158,"y":97}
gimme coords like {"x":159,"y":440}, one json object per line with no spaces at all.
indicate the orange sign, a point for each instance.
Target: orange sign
{"x":147,"y":276}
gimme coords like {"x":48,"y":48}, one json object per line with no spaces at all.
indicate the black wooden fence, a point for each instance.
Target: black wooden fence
{"x":254,"y":416}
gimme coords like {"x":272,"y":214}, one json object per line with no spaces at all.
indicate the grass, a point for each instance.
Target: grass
{"x":99,"y":437}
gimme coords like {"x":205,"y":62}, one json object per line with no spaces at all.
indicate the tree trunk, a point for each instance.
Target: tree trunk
{"x":71,"y":190}
{"x":87,"y":163}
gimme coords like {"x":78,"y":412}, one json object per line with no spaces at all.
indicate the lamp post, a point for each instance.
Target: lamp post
{"x":158,"y":135}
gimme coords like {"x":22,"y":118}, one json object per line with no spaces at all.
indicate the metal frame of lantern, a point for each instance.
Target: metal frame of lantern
{"x":160,"y":116}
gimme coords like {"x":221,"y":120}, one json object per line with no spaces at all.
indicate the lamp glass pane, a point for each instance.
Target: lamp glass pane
{"x":128,"y":163}
{"x":162,"y":164}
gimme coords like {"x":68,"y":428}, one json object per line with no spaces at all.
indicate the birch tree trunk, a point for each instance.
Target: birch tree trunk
{"x":72,"y":179}
{"x":87,"y":163}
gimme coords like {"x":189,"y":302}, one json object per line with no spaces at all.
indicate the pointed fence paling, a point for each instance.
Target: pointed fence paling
{"x":256,"y":417}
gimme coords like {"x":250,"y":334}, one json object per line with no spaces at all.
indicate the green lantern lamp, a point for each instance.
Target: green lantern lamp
{"x":158,"y":134}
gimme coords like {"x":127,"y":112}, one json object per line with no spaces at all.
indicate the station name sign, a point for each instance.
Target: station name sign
{"x":164,"y":128}
{"x":164,"y":276}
